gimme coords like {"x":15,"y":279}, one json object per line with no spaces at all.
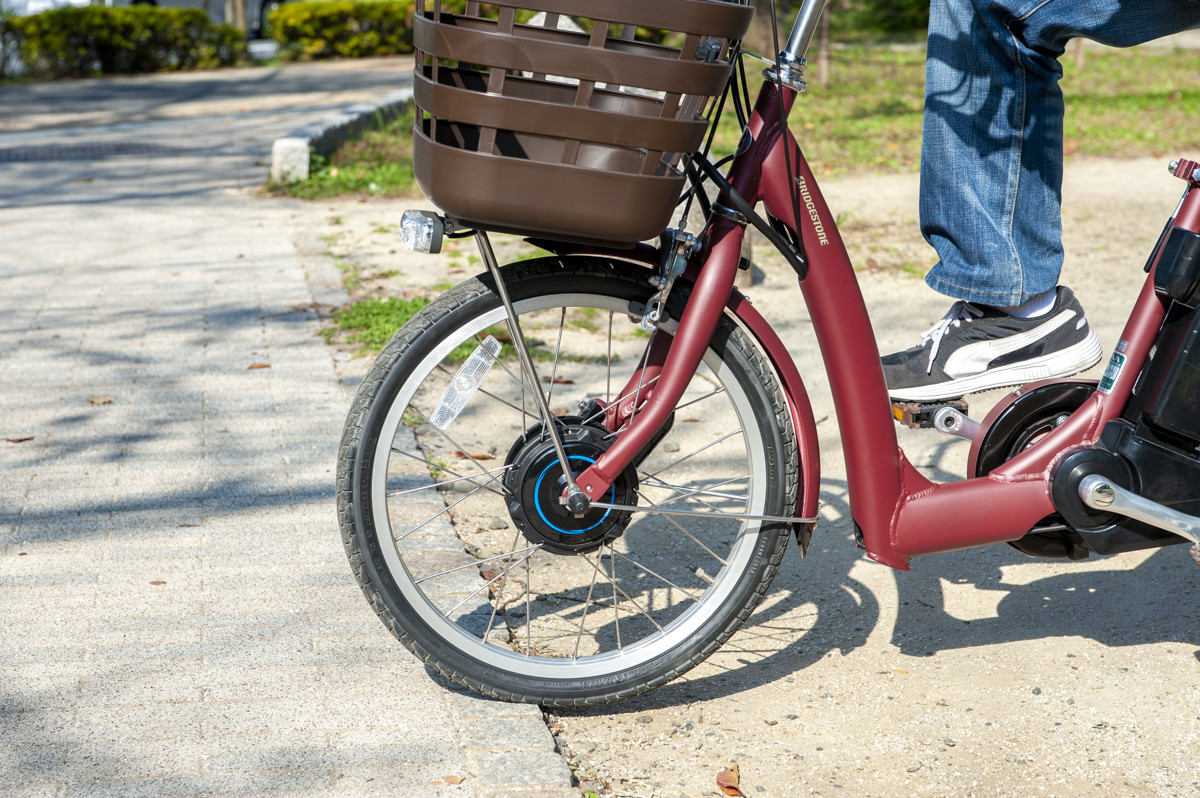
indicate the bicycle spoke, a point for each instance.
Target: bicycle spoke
{"x":438,"y":514}
{"x":661,"y":578}
{"x":562,"y":320}
{"x":517,"y":379}
{"x":688,"y":534}
{"x":687,"y":493}
{"x":608,"y":363}
{"x":700,"y":497}
{"x":699,"y":399}
{"x":491,"y":395}
{"x":641,"y":377}
{"x":702,"y":449}
{"x":475,"y":564}
{"x":528,"y":611}
{"x":492,"y":581}
{"x":456,"y":562}
{"x":586,"y":602}
{"x":592,"y":418}
{"x":457,"y":479}
{"x":612,"y":578}
{"x":495,"y":602}
{"x":612,"y":566}
{"x":458,"y":448}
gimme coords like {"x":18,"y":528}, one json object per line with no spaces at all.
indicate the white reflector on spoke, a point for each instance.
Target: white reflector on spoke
{"x":465,"y":383}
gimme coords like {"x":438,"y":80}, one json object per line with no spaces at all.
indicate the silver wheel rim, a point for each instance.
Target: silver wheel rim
{"x":458,"y":624}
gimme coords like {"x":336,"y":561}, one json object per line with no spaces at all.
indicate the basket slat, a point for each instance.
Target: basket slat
{"x":528,"y":128}
{"x":728,"y":20}
{"x":523,"y":54}
{"x":568,"y":196}
{"x":552,"y":119}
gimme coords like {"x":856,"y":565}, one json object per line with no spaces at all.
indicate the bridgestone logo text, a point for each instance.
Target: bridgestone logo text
{"x":812,"y":212}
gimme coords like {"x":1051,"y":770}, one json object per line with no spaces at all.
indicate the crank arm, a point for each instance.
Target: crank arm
{"x":1100,"y":494}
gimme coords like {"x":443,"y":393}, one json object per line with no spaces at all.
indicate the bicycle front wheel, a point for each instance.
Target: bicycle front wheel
{"x":448,"y":492}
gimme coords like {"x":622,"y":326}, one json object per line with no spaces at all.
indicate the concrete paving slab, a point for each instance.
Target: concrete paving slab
{"x":180,"y":616}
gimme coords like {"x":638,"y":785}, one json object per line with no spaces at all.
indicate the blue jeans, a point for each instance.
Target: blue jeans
{"x":991,"y":158}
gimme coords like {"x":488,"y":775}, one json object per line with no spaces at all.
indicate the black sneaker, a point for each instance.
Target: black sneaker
{"x":975,"y":348}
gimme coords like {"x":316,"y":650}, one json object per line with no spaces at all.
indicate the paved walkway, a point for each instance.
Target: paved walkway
{"x":176,"y":612}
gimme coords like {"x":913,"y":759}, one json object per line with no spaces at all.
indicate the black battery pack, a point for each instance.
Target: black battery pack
{"x":1167,"y":393}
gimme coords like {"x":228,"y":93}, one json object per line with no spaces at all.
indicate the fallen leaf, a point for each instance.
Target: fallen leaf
{"x":19,"y":440}
{"x":727,"y":780}
{"x":691,"y":420}
{"x":557,"y":380}
{"x":158,"y":582}
{"x":258,"y":366}
{"x":475,"y":456}
{"x":452,"y":779}
{"x":100,"y":400}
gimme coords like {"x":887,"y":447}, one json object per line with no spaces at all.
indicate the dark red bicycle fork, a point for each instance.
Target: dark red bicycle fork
{"x":898,"y":512}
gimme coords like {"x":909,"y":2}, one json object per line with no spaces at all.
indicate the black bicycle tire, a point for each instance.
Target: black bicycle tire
{"x":553,"y":276}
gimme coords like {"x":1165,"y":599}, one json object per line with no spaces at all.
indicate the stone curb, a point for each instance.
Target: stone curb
{"x":507,"y":746}
{"x":291,"y":155}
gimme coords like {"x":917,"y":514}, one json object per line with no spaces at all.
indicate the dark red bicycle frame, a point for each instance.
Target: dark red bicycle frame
{"x":899,"y":512}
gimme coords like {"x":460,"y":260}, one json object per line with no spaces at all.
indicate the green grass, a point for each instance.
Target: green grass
{"x":1125,"y":103}
{"x":377,"y":164}
{"x":1120,"y":103}
{"x":374,"y":321}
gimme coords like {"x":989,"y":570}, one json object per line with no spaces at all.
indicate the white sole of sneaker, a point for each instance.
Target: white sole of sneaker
{"x":1072,"y":360}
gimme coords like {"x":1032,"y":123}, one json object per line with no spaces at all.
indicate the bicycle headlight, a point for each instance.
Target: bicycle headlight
{"x":422,"y":231}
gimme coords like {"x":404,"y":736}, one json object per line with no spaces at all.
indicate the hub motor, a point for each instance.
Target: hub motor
{"x":534,"y":483}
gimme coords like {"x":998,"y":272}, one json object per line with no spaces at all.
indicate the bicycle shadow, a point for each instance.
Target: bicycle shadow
{"x":815,"y":607}
{"x":996,"y":594}
{"x":979,"y":598}
{"x":971,"y":598}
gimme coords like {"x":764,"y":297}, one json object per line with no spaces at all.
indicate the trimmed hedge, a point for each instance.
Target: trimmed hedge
{"x":856,"y":17}
{"x":342,"y":28}
{"x":8,"y":45}
{"x":75,"y":42}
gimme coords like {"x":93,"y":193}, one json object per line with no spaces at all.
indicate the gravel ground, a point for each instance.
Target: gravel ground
{"x":981,"y":672}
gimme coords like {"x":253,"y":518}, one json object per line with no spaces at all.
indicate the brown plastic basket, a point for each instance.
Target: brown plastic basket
{"x":533,"y":129}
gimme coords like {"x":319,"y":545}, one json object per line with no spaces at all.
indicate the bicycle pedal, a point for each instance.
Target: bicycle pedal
{"x":919,"y":415}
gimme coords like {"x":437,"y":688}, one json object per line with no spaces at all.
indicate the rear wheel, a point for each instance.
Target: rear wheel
{"x":449,"y":507}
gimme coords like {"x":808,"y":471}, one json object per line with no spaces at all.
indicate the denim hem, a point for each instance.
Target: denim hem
{"x":955,"y":291}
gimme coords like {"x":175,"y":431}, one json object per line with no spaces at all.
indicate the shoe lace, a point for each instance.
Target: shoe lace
{"x":959,"y":313}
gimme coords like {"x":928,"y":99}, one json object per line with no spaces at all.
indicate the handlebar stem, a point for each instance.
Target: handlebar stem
{"x":803,"y":30}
